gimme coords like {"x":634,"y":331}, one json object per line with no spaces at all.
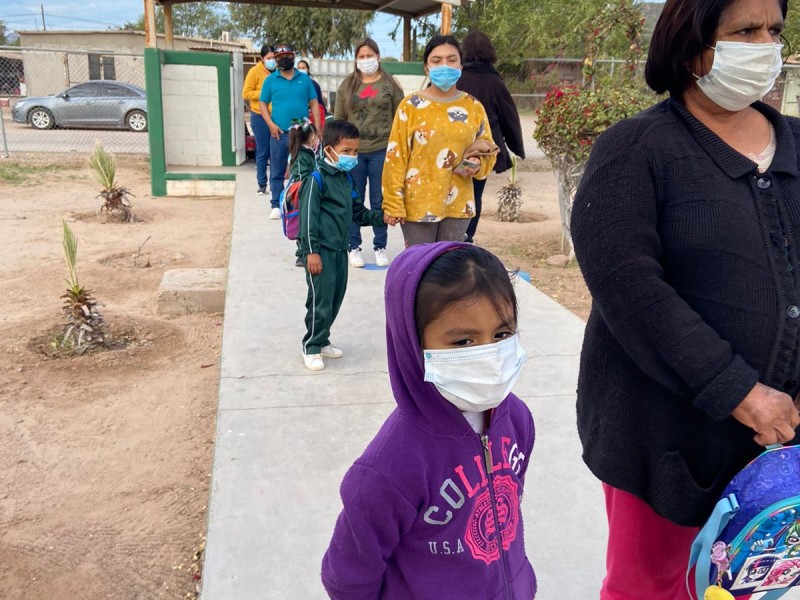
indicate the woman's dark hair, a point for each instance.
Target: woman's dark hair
{"x":338,"y":130}
{"x":352,"y":82}
{"x":464,"y":273}
{"x":266,"y":49}
{"x":440,"y":40}
{"x":308,"y":66}
{"x":682,"y":32}
{"x":477,"y":47}
{"x":299,"y":134}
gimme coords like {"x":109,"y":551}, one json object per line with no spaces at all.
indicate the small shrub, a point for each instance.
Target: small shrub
{"x":115,"y":197}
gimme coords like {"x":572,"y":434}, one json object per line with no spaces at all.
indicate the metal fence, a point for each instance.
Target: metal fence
{"x":530,"y":84}
{"x":59,"y":101}
{"x":26,"y":73}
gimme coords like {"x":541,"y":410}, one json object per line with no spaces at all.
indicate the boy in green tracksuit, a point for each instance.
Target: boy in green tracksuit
{"x":325,"y":216}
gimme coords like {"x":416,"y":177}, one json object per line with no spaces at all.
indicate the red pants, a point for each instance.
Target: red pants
{"x":647,"y":554}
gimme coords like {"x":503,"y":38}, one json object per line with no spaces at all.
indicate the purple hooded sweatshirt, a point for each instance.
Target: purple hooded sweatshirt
{"x":431,"y":509}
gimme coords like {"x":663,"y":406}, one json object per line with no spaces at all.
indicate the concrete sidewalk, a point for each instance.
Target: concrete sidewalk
{"x":285,"y":435}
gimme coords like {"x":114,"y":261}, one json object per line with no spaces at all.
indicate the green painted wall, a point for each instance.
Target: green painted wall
{"x":154,"y":58}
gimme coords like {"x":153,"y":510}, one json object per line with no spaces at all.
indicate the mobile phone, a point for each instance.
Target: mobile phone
{"x":468,"y":164}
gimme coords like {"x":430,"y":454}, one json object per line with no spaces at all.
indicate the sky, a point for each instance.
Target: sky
{"x":104,"y":14}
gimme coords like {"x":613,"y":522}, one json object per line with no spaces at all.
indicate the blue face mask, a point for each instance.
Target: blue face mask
{"x":344,"y":162}
{"x":270,"y":64}
{"x":444,"y":77}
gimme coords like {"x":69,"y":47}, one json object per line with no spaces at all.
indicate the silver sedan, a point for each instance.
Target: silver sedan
{"x":102,"y":104}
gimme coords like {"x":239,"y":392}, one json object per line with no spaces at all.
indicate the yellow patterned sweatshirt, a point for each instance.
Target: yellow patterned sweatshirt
{"x":427,"y":142}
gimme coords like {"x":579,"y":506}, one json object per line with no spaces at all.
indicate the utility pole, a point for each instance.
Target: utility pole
{"x":44,"y":25}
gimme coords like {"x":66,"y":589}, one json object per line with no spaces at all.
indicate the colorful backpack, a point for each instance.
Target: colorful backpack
{"x":751,"y":542}
{"x":290,"y":204}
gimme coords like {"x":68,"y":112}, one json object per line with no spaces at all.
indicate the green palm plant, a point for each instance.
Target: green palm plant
{"x":115,"y":197}
{"x":84,"y":329}
{"x":509,"y":197}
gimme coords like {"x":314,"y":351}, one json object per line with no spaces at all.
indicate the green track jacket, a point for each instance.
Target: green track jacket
{"x":325,"y":216}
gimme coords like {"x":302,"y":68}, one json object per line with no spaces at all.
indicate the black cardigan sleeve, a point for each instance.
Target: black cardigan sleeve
{"x":506,"y":110}
{"x":619,"y":250}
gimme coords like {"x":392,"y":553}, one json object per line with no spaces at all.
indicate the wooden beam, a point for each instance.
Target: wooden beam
{"x":447,"y":19}
{"x":386,"y":4}
{"x":150,"y":33}
{"x":332,"y":4}
{"x":169,"y":27}
{"x":406,"y":38}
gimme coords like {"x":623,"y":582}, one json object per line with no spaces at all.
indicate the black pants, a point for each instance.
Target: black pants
{"x":477,"y":186}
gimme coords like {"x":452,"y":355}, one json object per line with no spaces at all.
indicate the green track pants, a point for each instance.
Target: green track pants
{"x":325,"y":296}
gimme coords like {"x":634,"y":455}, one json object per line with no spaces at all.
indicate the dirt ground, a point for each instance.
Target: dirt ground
{"x":528,"y":244}
{"x":106,"y":457}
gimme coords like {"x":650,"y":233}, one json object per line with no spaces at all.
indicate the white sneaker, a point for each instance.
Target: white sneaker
{"x":275,"y":213}
{"x":381,"y":258}
{"x":354,"y":256}
{"x":313,"y":362}
{"x":331,"y":351}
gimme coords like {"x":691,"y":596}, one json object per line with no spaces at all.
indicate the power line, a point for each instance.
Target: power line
{"x":49,"y":14}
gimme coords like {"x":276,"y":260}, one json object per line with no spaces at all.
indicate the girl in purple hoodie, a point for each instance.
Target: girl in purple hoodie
{"x":432,"y":507}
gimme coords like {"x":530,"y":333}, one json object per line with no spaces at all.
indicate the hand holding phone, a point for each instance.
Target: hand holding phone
{"x":467,"y":168}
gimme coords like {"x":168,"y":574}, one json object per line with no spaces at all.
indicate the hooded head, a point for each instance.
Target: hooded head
{"x":482,"y":273}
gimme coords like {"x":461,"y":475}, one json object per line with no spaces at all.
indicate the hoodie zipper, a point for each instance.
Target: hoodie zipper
{"x":487,"y":457}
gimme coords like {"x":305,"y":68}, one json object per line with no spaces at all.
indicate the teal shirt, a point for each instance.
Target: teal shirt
{"x":289,"y":97}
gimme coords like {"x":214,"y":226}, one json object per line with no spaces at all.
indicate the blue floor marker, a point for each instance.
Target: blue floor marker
{"x":524,"y":275}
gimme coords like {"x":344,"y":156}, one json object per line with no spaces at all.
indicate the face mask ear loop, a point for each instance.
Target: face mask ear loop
{"x":693,"y":74}
{"x":786,"y":44}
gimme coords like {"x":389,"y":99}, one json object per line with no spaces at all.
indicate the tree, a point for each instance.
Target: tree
{"x":311,"y":32}
{"x":421,"y":31}
{"x":571,"y":117}
{"x":523,"y":29}
{"x":3,"y":33}
{"x":195,"y":19}
{"x":792,"y":33}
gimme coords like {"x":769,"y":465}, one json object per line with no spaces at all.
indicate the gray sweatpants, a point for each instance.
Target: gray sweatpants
{"x":446,"y":230}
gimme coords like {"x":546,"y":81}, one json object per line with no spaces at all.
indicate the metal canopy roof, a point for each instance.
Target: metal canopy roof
{"x":400,"y":8}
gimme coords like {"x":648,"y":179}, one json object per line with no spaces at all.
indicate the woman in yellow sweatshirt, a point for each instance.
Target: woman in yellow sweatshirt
{"x":440,"y":140}
{"x":251,"y":91}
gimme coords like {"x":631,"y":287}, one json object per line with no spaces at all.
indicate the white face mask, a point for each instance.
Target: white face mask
{"x":741,"y":74}
{"x":368,"y":66}
{"x":475,"y":378}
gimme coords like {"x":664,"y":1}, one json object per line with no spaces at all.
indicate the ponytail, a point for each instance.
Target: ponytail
{"x":299,"y":133}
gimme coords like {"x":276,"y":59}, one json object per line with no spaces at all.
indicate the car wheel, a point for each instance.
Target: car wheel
{"x":41,"y":118}
{"x":136,"y":120}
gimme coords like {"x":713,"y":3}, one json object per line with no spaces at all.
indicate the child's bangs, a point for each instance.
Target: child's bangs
{"x":465,"y":274}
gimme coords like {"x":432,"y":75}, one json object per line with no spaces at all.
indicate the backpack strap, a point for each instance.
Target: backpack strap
{"x":700,"y":556}
{"x":353,"y":191}
{"x":316,"y":175}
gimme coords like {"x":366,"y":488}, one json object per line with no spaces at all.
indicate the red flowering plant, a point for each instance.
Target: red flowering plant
{"x":572,"y":116}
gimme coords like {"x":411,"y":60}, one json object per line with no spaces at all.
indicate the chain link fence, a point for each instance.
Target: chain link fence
{"x":531,"y":82}
{"x":63,"y":101}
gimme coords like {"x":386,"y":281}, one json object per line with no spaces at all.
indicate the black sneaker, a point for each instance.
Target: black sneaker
{"x":262,"y":190}
{"x":299,"y":262}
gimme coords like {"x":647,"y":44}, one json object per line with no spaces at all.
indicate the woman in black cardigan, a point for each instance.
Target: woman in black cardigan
{"x":687,"y":229}
{"x":480,"y":79}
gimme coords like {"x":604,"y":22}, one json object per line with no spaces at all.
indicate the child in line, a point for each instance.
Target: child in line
{"x":303,"y":141}
{"x":432,"y":507}
{"x":325,"y":215}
